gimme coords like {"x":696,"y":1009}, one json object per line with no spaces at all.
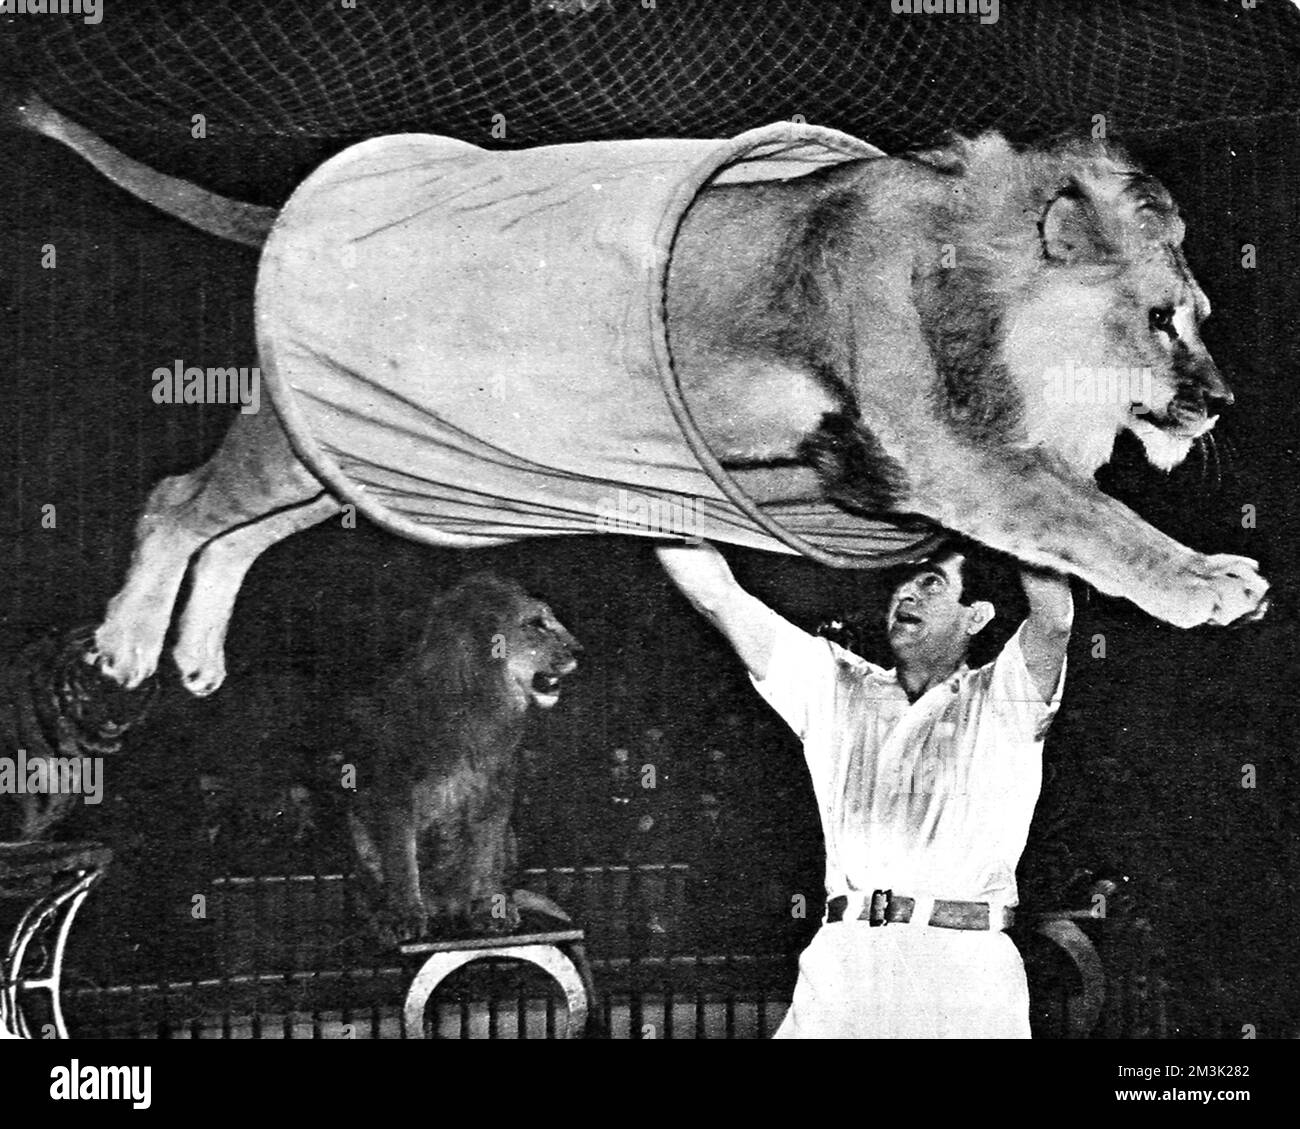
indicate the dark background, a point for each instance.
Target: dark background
{"x":1145,"y":762}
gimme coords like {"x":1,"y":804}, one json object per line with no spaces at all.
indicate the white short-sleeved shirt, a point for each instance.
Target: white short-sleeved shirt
{"x":931,"y":798}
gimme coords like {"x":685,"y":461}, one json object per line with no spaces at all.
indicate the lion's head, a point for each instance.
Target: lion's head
{"x":1077,"y":257}
{"x":487,"y":638}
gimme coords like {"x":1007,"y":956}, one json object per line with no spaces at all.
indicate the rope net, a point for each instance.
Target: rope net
{"x":570,"y":70}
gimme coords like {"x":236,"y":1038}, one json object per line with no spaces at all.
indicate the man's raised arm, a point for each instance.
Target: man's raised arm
{"x":1046,"y":633}
{"x":704,"y":578}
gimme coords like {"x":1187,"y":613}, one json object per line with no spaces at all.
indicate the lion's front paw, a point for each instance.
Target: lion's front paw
{"x":1218,"y":590}
{"x":396,"y":924}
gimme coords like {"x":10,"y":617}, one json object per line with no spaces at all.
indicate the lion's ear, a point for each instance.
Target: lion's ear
{"x":1072,"y":230}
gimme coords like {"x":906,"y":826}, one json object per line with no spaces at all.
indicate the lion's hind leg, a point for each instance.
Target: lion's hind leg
{"x":255,"y":473}
{"x":215,"y":580}
{"x":366,"y":884}
{"x":127,"y":644}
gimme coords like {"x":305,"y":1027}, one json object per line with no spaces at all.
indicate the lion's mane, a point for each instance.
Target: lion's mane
{"x":991,"y":223}
{"x":449,"y":699}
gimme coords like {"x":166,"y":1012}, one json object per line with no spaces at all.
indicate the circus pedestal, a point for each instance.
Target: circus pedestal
{"x":53,"y":880}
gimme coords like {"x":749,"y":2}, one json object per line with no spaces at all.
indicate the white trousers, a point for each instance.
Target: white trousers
{"x":901,"y":981}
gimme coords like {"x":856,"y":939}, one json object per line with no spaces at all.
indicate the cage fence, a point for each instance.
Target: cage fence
{"x":676,"y":951}
{"x":285,"y":957}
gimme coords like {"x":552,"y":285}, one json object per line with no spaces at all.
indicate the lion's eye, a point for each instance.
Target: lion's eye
{"x":1162,"y":320}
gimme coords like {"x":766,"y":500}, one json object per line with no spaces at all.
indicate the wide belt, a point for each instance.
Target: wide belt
{"x":884,"y":907}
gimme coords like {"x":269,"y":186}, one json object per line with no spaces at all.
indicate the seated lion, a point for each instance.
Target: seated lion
{"x":435,"y":751}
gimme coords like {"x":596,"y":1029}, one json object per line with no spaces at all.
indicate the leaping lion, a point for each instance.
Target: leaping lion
{"x":901,"y":335}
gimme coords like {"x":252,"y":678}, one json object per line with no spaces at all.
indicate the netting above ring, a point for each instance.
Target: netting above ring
{"x":303,"y":71}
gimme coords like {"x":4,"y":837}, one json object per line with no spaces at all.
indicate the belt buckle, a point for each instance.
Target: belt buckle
{"x":878,"y":912}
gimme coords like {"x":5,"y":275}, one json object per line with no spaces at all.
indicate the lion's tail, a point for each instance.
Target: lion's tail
{"x":234,"y":220}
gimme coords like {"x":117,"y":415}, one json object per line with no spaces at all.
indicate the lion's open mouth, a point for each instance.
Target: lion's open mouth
{"x":1182,"y":418}
{"x":546,"y":689}
{"x":1168,"y":435}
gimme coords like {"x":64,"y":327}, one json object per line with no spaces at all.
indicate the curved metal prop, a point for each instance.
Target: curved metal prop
{"x":1083,"y":1010}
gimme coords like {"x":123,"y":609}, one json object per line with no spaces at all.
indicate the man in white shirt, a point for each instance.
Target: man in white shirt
{"x":926,"y":778}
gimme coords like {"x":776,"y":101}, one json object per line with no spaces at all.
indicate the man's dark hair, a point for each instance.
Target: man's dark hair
{"x":992,"y":576}
{"x":985,"y":575}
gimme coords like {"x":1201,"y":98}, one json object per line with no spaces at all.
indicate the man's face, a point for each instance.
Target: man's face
{"x":926,"y":618}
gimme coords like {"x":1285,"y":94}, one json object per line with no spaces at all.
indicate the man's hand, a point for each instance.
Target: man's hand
{"x":1046,"y":633}
{"x":699,"y":570}
{"x":705,"y":579}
